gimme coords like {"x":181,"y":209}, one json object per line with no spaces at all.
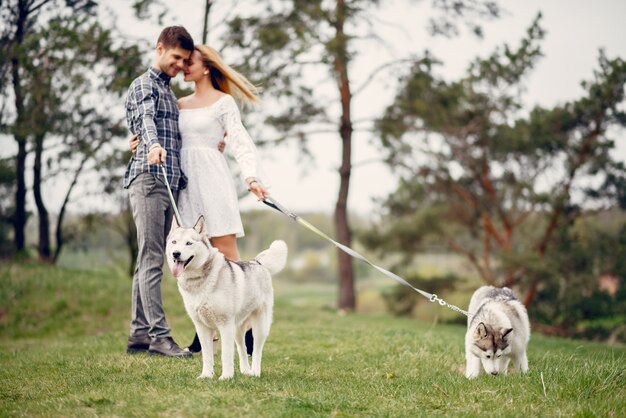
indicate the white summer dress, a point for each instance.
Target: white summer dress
{"x":210,"y":189}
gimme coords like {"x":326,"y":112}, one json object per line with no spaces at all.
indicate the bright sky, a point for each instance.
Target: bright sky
{"x":575,"y":32}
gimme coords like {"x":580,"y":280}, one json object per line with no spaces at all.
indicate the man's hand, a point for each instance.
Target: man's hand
{"x":157,"y":155}
{"x":133,"y":142}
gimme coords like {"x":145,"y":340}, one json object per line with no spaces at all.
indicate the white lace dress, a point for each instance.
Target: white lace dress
{"x":211,"y":191}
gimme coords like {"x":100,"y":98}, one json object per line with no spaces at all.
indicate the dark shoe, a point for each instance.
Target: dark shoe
{"x":138,"y":344}
{"x":166,"y":346}
{"x":195,"y":346}
{"x":249,"y":342}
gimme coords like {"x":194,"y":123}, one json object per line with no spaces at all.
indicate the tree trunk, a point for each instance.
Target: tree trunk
{"x":44,"y":223}
{"x":205,"y":27}
{"x":346,"y":274}
{"x":59,"y":227}
{"x":19,"y":217}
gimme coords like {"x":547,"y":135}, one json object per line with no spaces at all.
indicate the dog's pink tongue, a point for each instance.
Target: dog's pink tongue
{"x":178,"y":268}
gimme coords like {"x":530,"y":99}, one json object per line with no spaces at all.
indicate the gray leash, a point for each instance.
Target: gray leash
{"x":430,"y":296}
{"x":169,"y":191}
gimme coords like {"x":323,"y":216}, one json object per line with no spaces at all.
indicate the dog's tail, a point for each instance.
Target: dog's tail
{"x":274,"y":258}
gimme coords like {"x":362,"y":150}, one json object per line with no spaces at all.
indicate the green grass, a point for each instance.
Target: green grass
{"x":63,"y":334}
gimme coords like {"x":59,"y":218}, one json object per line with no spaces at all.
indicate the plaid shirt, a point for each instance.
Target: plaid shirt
{"x":152,"y":112}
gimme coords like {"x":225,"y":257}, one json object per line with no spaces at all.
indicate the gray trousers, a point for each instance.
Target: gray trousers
{"x":152,"y":212}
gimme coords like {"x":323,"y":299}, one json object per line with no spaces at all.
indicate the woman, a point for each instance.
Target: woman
{"x":205,"y":117}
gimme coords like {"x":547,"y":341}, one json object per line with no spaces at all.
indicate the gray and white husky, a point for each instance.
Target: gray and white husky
{"x":225,"y":295}
{"x":497,"y":331}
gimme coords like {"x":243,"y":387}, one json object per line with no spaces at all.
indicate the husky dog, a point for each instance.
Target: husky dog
{"x":225,"y":295}
{"x":497,"y":331}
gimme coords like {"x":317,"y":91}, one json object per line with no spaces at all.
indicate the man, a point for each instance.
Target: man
{"x":152,"y":113}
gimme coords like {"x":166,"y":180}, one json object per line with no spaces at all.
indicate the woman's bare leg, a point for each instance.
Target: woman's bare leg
{"x":227,"y":245}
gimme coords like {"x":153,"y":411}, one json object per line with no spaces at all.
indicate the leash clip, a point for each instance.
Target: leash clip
{"x":434,"y":298}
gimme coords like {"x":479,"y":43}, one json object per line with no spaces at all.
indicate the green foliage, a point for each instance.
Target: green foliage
{"x":65,"y":357}
{"x":492,"y":183}
{"x":584,"y":254}
{"x":277,"y":45}
{"x":470,"y":13}
{"x":144,"y":9}
{"x":412,"y":218}
{"x":61,"y":59}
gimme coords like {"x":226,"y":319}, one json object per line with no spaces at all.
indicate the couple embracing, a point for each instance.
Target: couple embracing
{"x":187,"y":136}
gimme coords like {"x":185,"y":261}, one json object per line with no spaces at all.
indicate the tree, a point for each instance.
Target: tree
{"x":19,"y":16}
{"x":61,"y":59}
{"x":279,"y":41}
{"x":489,"y":181}
{"x":7,"y":184}
{"x":122,"y":223}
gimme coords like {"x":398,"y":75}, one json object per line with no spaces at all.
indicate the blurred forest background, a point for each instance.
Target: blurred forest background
{"x":488,"y":191}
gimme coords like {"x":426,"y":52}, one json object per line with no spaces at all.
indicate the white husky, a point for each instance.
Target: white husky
{"x":225,"y":295}
{"x":497,"y":331}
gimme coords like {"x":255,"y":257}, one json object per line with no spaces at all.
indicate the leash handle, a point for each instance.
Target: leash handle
{"x":269,"y":201}
{"x":169,"y":191}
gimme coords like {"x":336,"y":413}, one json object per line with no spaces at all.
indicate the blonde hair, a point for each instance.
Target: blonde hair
{"x":225,"y":78}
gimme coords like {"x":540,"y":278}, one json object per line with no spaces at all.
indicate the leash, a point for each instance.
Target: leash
{"x":169,"y":192}
{"x":269,"y":201}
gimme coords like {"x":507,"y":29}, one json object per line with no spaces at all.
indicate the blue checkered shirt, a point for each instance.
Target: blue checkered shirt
{"x":152,"y":112}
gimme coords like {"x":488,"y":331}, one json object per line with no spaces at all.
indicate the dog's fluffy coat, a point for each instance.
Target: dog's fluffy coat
{"x":225,"y":295}
{"x":497,"y":332}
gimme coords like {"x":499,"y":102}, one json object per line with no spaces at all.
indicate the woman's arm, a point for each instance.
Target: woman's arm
{"x":242,"y":147}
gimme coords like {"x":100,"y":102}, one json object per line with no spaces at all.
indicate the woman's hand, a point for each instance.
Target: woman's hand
{"x":133,"y":142}
{"x":257,"y":188}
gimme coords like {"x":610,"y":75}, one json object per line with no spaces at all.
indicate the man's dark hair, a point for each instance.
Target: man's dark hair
{"x":176,"y":36}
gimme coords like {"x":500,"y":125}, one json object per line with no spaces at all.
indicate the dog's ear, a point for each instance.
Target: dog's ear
{"x":506,"y":332}
{"x":481,"y":331}
{"x":173,"y":226}
{"x":199,"y":226}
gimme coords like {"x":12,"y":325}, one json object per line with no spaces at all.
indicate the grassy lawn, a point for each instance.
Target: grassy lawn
{"x":63,"y":334}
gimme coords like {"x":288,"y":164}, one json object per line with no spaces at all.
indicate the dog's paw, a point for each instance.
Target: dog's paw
{"x":206,"y":376}
{"x":247,"y":372}
{"x":226,"y":377}
{"x":471,"y":375}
